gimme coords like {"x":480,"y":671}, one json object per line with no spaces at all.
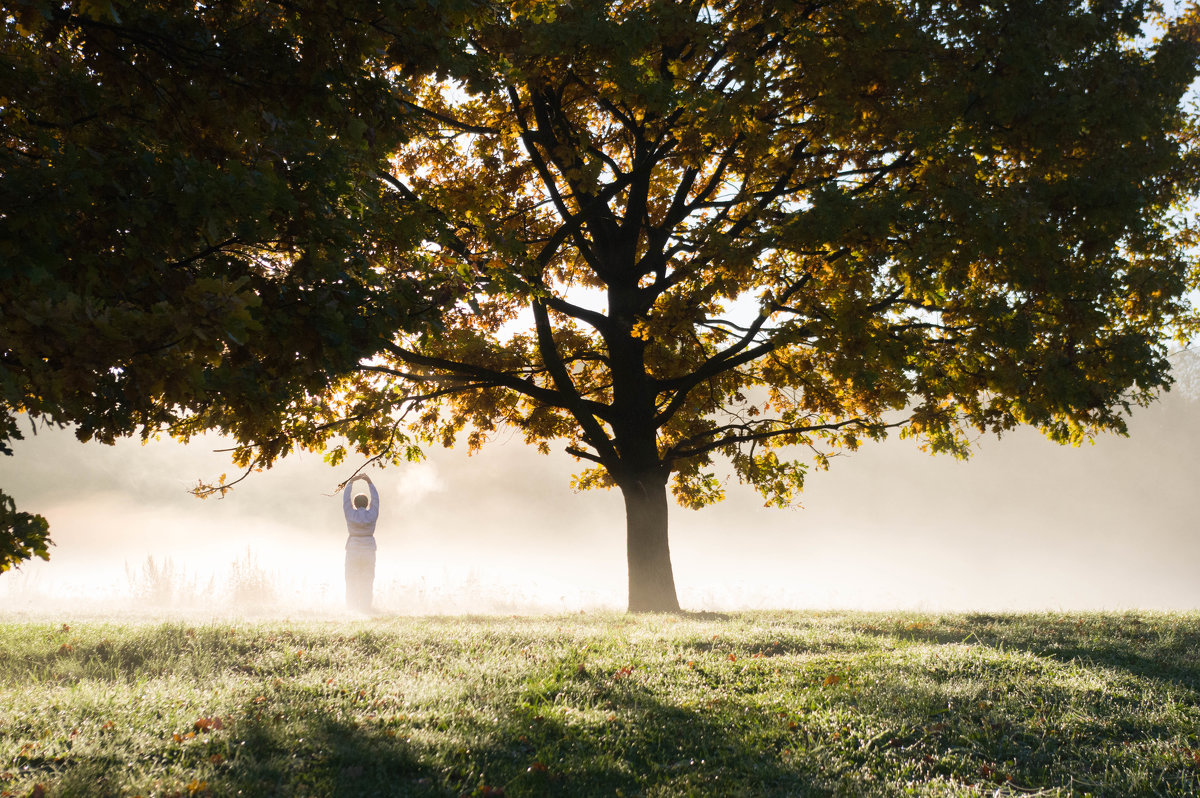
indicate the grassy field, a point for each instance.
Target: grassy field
{"x":607,"y":705}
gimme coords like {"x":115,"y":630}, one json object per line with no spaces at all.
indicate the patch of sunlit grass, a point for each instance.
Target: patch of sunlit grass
{"x":752,"y":704}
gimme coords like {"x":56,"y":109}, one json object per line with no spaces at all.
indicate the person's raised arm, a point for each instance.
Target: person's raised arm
{"x":374,"y":499}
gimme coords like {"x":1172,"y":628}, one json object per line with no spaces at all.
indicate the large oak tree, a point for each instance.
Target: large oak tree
{"x":683,"y":231}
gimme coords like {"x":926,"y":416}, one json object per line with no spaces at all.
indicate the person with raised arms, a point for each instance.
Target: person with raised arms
{"x":361,"y":514}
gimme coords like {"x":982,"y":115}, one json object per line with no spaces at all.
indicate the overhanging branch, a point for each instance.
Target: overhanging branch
{"x":575,"y":451}
{"x":585,"y":411}
{"x":747,"y":432}
{"x":499,"y":379}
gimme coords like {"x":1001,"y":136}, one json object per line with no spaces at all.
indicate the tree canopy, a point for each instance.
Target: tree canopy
{"x":665,"y":234}
{"x":185,"y":192}
{"x":682,"y":231}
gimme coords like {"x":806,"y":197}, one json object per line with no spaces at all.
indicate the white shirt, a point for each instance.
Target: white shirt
{"x":360,"y":523}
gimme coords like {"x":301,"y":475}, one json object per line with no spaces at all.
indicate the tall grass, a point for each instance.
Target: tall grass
{"x":575,"y":705}
{"x":161,"y":584}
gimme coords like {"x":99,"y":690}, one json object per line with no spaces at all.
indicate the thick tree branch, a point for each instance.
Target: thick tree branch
{"x":747,"y":433}
{"x":681,"y":207}
{"x":583,"y":455}
{"x":449,"y":121}
{"x":500,"y":379}
{"x":585,"y":411}
{"x":730,"y":358}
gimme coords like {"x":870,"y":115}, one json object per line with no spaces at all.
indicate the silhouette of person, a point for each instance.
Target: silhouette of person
{"x":361,"y":515}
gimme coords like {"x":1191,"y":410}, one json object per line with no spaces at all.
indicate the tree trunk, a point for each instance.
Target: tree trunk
{"x":651,"y":580}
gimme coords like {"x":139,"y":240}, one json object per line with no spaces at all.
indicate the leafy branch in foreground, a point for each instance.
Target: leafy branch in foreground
{"x":185,"y":190}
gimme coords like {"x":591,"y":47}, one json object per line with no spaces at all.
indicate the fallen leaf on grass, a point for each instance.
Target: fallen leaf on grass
{"x":536,"y":767}
{"x":208,"y":724}
{"x":832,"y":679}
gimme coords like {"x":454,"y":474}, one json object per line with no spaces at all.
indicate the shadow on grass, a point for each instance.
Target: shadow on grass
{"x":322,"y":755}
{"x":315,"y":755}
{"x":757,"y":715}
{"x":630,"y":741}
{"x":1168,"y":653}
{"x":515,"y":742}
{"x":979,"y":730}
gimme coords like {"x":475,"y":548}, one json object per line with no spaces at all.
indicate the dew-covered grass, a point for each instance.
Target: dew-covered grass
{"x":761,"y":703}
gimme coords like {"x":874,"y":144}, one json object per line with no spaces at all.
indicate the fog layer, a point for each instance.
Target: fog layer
{"x":1024,"y":525}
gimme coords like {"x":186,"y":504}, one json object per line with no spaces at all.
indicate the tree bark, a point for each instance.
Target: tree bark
{"x":651,"y":580}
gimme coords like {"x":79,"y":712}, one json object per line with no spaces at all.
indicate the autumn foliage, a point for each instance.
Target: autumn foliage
{"x":673,"y":232}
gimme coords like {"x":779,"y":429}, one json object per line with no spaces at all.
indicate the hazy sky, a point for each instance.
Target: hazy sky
{"x":1024,"y":524}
